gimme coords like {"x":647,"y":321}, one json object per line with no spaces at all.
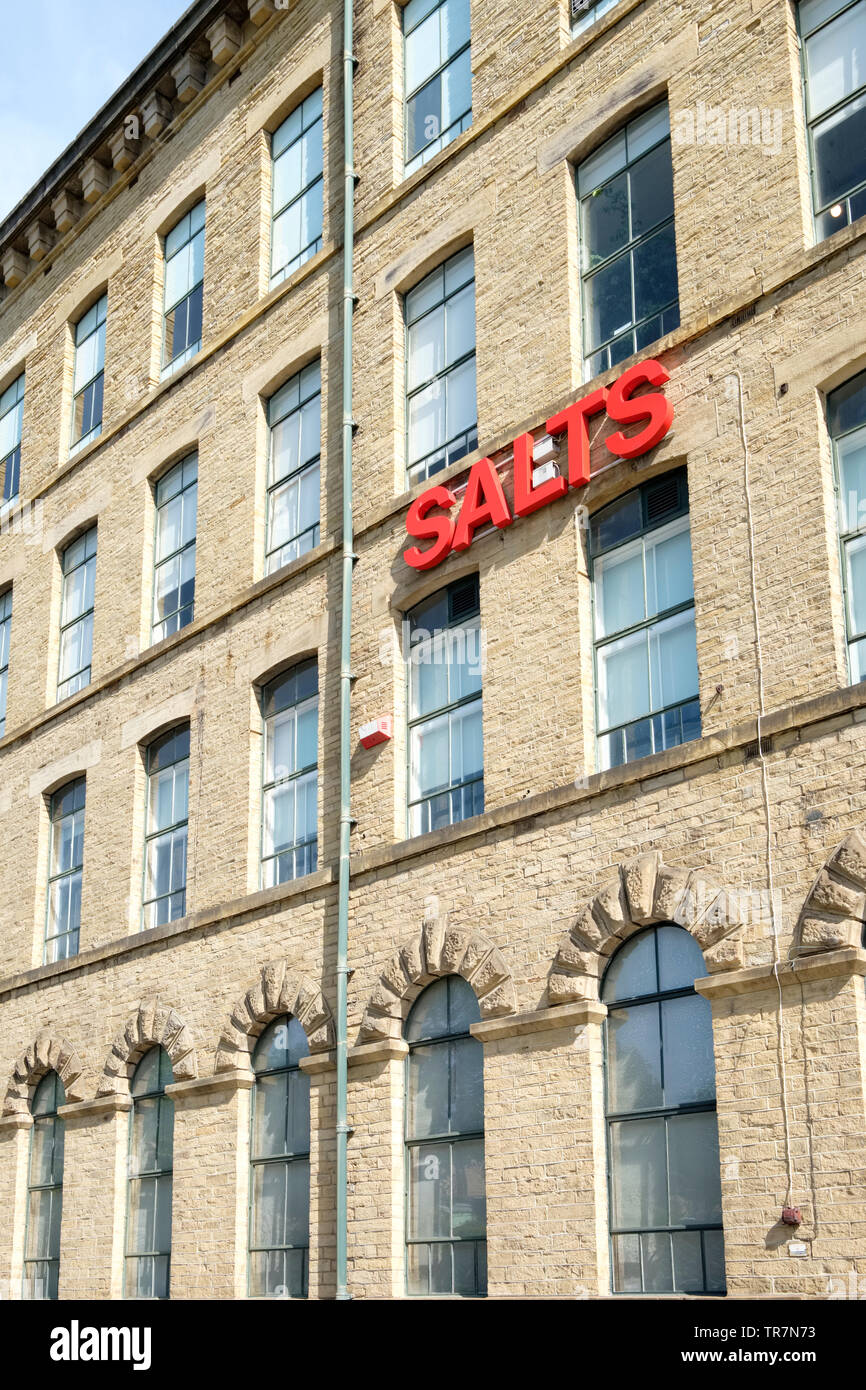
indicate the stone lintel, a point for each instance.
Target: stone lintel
{"x":540,"y":1020}
{"x":228,"y":1081}
{"x":318,"y":1062}
{"x":844,"y":964}
{"x":96,"y":1108}
{"x":384,"y":1050}
{"x":21,"y":1120}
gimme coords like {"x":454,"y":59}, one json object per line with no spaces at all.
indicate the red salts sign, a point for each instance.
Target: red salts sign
{"x":485,"y":503}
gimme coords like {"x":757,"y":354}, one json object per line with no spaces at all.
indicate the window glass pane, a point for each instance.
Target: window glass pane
{"x":851,"y":453}
{"x":426,"y":420}
{"x":669,"y":566}
{"x":634,"y":1074}
{"x":426,"y":347}
{"x":687,"y":1040}
{"x":427,"y":1091}
{"x":638,"y":1173}
{"x":461,"y":408}
{"x":655,"y":273}
{"x":855,"y":559}
{"x":623,"y":680}
{"x":423,"y":48}
{"x":626,"y":1264}
{"x":839,"y":143}
{"x":632,"y":971}
{"x":605,"y":221}
{"x":467,"y":1073}
{"x":429,"y":1014}
{"x":673,"y":660}
{"x":836,"y":60}
{"x":607,"y":301}
{"x":429,"y":756}
{"x":714,"y":1260}
{"x":652,"y":190}
{"x":456,"y":90}
{"x":693,"y":1155}
{"x":655,"y":1249}
{"x":619,"y":589}
{"x":681,"y":960}
{"x":468,"y":1216}
{"x":430,"y":1191}
{"x":602,"y":165}
{"x":646,"y":130}
{"x":688,"y":1271}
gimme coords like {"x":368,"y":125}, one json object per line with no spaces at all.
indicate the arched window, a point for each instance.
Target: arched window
{"x":148,"y":1222}
{"x":663,"y":1145}
{"x":446,"y":1209}
{"x":280,"y":1157}
{"x":44,"y":1190}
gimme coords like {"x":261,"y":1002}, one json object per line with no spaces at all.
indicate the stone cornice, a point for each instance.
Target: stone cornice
{"x":828,"y":965}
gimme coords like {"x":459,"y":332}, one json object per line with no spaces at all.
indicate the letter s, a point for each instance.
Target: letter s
{"x":656,"y":409}
{"x":423,"y":527}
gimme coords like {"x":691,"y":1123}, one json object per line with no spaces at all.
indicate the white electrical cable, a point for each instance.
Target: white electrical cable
{"x":765,"y":783}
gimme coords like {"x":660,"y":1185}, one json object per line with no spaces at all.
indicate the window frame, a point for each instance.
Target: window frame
{"x":312,"y":844}
{"x":168,"y":366}
{"x":468,"y":1136}
{"x":297,"y":474}
{"x":76,"y":444}
{"x":411,"y":724}
{"x":447,"y":447}
{"x":89,"y":537}
{"x":859,"y":94}
{"x":683,"y":510}
{"x":74,"y":787}
{"x":624,"y":252}
{"x":158,"y":1094}
{"x":159,"y":564}
{"x":418,"y":161}
{"x":656,"y":1112}
{"x":285,"y":1159}
{"x":847,"y":535}
{"x":277,"y":277}
{"x":151,"y":836}
{"x":5,"y":646}
{"x":57,"y":1127}
{"x":10,"y":464}
{"x":585,"y":20}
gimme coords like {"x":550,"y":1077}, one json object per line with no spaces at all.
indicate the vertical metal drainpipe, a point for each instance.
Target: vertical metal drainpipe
{"x":343,"y":972}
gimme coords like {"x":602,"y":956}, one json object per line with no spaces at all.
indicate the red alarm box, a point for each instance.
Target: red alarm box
{"x":377,"y":731}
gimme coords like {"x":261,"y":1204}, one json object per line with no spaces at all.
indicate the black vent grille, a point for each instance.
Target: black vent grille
{"x":663,"y":498}
{"x":463,"y":598}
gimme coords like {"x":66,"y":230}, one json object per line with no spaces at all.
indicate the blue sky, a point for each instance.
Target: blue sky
{"x":63,"y":59}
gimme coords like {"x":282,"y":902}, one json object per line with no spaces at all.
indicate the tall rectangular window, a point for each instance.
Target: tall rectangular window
{"x":166,"y":833}
{"x":78,"y":564}
{"x":298,"y":188}
{"x":11,"y":413}
{"x":846,"y":412}
{"x":5,"y":633}
{"x":442,"y":639}
{"x":644,"y":612}
{"x":290,"y":705}
{"x":833,"y":45}
{"x":174,"y":549}
{"x":89,"y":375}
{"x":441,"y":409}
{"x":628,"y":250}
{"x":294,"y":447}
{"x":584,"y":13}
{"x":184,"y":288}
{"x":62,"y":928}
{"x":438,"y":76}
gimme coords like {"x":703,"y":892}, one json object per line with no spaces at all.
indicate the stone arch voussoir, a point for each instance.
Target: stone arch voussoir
{"x":154,"y":1024}
{"x":277,"y":991}
{"x":47,"y":1053}
{"x":438,"y":950}
{"x":643,"y":892}
{"x":835,"y":909}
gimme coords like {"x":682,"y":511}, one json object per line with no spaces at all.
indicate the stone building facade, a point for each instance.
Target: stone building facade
{"x":749,"y":835}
